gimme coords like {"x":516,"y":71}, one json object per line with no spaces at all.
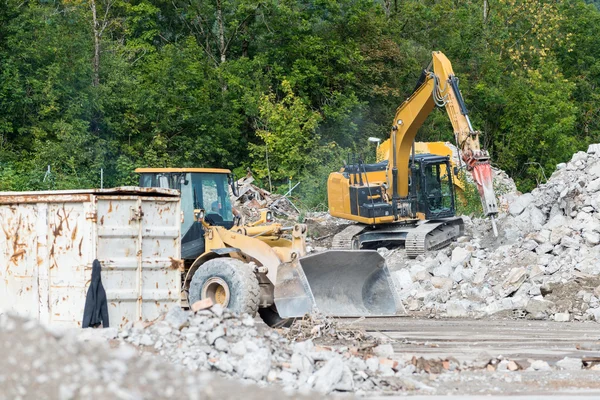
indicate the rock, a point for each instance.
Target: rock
{"x":372,"y":364}
{"x":346,"y":382}
{"x":502,"y":366}
{"x":555,"y":222}
{"x":217,"y":309}
{"x":238,"y":349}
{"x":177,"y":317}
{"x":595,"y":313}
{"x":594,"y":170}
{"x":514,"y":280}
{"x":455,"y":309}
{"x":444,"y":270}
{"x":562,"y":317}
{"x":513,"y":366}
{"x":529,"y":245}
{"x":146,"y":340}
{"x":421,"y":276}
{"x":535,"y":306}
{"x":594,"y":149}
{"x":302,"y":363}
{"x":202,"y":304}
{"x":570,"y":364}
{"x":460,"y":256}
{"x":591,"y":238}
{"x":536,"y":217}
{"x":384,"y":350}
{"x":539,"y":365}
{"x":544,"y":248}
{"x":418,"y":272}
{"x":221,"y":344}
{"x":403,"y":278}
{"x":325,"y":379}
{"x":480,"y":275}
{"x":255,"y":365}
{"x":569,"y":242}
{"x":519,"y":205}
{"x":442,"y":283}
{"x":216,"y":333}
{"x":593,"y":186}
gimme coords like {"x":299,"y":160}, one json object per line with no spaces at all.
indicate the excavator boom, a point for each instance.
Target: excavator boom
{"x":438,"y":86}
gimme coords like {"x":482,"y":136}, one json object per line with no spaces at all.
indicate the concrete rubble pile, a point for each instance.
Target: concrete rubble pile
{"x":238,"y":346}
{"x":544,"y":265}
{"x":251,"y":199}
{"x":50,"y":363}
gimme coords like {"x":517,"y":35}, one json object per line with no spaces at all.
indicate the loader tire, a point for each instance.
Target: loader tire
{"x":227,"y":277}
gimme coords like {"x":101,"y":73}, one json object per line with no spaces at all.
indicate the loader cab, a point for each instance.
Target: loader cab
{"x":431,"y":186}
{"x":201,"y":189}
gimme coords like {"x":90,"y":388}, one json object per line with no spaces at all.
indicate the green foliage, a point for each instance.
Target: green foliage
{"x":468,"y":201}
{"x":216,"y":84}
{"x":287,"y":129}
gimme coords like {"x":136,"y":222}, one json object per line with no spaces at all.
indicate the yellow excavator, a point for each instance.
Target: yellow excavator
{"x":409,"y":198}
{"x":263,"y":267}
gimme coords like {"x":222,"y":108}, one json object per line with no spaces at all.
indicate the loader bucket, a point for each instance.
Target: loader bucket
{"x":293,"y":297}
{"x":345,"y":283}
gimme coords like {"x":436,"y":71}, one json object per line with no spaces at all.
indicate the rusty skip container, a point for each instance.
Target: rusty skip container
{"x":48,"y":241}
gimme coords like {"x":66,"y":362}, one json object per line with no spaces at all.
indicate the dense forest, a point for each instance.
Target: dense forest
{"x":288,"y":88}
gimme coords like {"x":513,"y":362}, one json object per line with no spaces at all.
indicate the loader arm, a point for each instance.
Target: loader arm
{"x":438,"y":86}
{"x":262,"y":244}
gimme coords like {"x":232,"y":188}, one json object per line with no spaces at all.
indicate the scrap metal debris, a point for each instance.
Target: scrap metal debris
{"x":250,"y":199}
{"x":318,"y":326}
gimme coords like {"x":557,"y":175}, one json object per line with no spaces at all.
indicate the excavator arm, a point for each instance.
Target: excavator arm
{"x":438,"y":86}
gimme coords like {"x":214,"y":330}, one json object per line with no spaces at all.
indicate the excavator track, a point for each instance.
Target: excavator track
{"x":343,"y":239}
{"x":432,"y":236}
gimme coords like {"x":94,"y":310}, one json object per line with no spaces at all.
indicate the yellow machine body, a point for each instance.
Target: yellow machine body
{"x":338,"y":283}
{"x":414,"y":182}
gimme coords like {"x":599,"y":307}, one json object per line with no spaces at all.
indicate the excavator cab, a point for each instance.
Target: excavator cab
{"x":432,"y":187}
{"x":203,"y":190}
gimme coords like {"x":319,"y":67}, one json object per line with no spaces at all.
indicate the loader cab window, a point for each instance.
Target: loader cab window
{"x":211,"y":193}
{"x":199,"y":190}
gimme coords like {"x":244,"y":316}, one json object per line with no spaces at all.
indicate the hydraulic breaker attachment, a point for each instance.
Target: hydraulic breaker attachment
{"x":482,"y":174}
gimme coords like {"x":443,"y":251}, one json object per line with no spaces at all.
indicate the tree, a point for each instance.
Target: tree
{"x":287,"y":128}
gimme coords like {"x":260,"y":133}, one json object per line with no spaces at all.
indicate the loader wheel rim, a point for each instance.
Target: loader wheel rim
{"x":217,"y":290}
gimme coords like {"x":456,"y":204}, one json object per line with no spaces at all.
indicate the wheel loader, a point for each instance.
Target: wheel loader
{"x":409,"y":198}
{"x":263,"y":267}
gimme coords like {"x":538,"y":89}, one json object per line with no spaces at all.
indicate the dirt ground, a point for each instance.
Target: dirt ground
{"x":477,"y":344}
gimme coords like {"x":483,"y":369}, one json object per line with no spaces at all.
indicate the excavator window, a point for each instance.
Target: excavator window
{"x":438,"y":197}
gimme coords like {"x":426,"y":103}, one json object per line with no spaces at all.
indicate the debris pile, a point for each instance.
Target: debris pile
{"x":544,"y":265}
{"x":237,"y":346}
{"x":250,"y":199}
{"x":44,"y":363}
